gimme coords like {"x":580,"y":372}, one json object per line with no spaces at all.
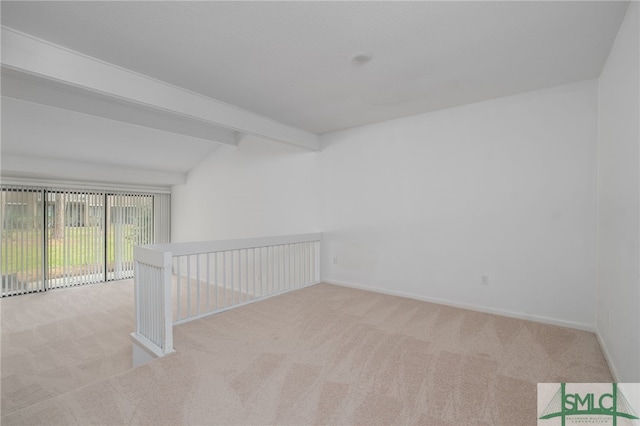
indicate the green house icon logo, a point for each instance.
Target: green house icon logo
{"x":613,"y":405}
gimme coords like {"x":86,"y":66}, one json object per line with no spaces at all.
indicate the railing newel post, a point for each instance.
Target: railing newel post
{"x":136,"y":290}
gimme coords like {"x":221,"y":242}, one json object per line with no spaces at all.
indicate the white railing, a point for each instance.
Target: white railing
{"x":176,"y":283}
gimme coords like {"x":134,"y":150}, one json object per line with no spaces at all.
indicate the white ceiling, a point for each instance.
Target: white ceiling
{"x":290,"y":60}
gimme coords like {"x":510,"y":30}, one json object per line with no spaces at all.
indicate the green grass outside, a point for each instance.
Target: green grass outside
{"x":21,"y":251}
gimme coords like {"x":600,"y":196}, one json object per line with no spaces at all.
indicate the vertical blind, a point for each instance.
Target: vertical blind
{"x":130,"y":223}
{"x":162,"y":219}
{"x":75,"y":238}
{"x":22,"y":240}
{"x":53,"y":238}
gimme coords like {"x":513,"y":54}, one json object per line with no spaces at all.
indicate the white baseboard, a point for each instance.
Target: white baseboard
{"x":607,"y":357}
{"x":472,"y":307}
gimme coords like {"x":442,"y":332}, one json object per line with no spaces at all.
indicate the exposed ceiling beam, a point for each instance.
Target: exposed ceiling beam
{"x":113,"y":87}
{"x":32,"y":88}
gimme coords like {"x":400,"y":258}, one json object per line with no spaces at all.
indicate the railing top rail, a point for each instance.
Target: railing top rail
{"x":196,"y":247}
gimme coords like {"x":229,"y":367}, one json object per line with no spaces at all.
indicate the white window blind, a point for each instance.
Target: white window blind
{"x":55,"y":237}
{"x":162,"y":218}
{"x":75,"y":238}
{"x":130,"y":223}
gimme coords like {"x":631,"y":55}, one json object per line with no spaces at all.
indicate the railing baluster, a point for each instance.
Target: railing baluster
{"x":308,"y":262}
{"x":260,"y":274}
{"x":304,"y":263}
{"x":294,"y":276}
{"x":270,"y":269}
{"x":233,"y":281}
{"x":276,"y":266}
{"x":208,"y":282}
{"x":178,"y":287}
{"x":300,"y":264}
{"x":198,"y":281}
{"x":240,"y":275}
{"x":215,"y":278}
{"x":296,"y":266}
{"x":188,"y":286}
{"x":254,"y":272}
{"x":313,"y":261}
{"x":246,"y":275}
{"x":274,"y":288}
{"x":286,"y":266}
{"x":224,"y":278}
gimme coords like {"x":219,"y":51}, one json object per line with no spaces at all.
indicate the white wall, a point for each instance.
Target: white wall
{"x":426,"y":205}
{"x":259,"y":188}
{"x":618,"y":319}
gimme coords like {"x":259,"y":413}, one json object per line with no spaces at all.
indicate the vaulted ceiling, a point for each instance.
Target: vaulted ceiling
{"x":287,"y":64}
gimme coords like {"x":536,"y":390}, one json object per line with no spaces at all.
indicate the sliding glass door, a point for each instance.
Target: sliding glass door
{"x":130,"y":223}
{"x":60,"y":238}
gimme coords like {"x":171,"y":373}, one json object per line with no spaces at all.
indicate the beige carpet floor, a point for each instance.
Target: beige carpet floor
{"x":332,"y":355}
{"x":61,"y":340}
